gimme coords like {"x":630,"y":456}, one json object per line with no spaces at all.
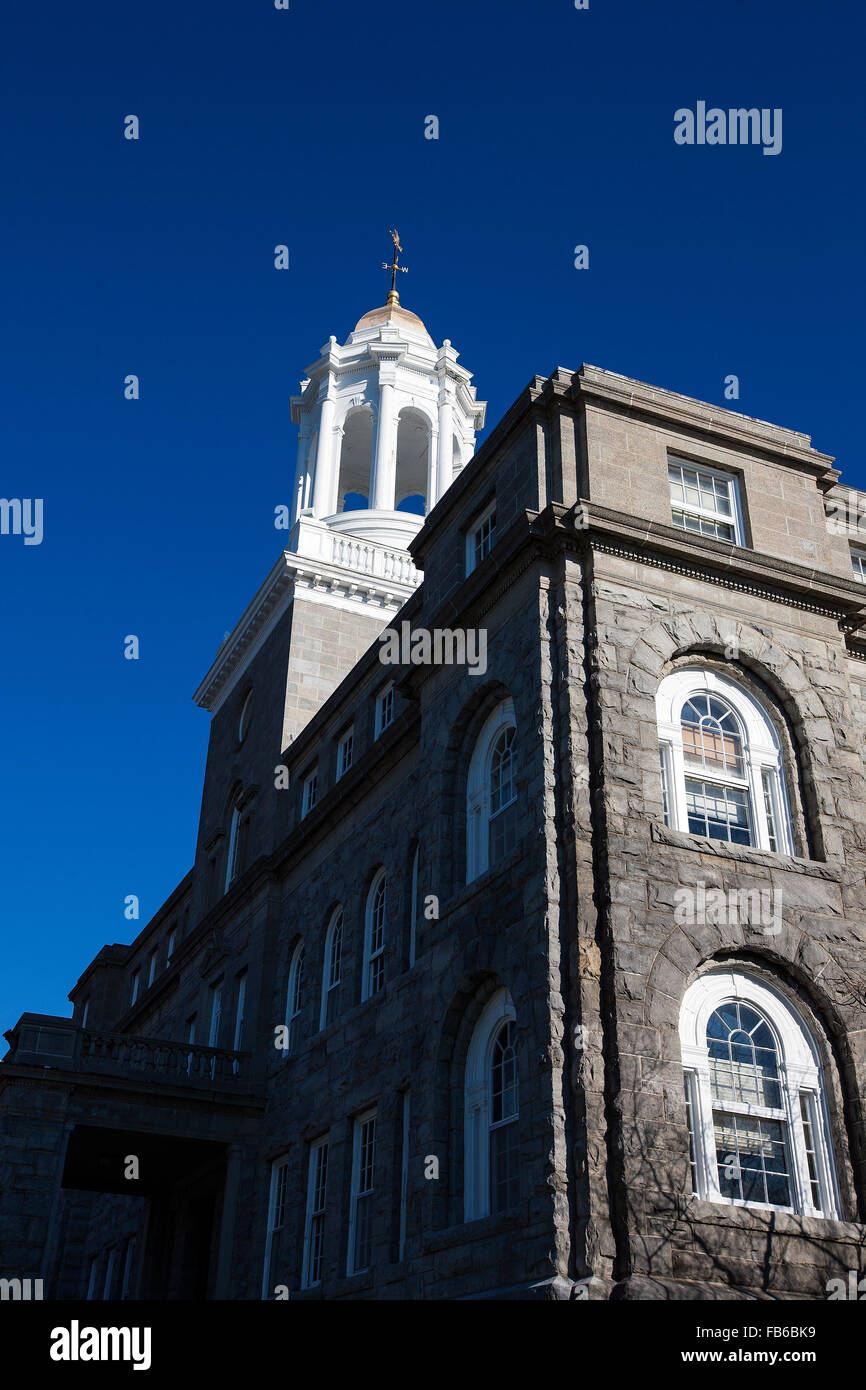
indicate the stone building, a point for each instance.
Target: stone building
{"x":537,"y":974}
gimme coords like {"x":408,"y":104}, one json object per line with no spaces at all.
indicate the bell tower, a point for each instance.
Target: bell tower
{"x":385,"y":423}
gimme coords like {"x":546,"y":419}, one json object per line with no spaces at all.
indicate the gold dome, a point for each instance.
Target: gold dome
{"x":392,"y":312}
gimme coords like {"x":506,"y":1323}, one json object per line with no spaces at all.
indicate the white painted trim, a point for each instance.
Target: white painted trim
{"x":799,"y":1070}
{"x":478,"y":788}
{"x":499,"y":1009}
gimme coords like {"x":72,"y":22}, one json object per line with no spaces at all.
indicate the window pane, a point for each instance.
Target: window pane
{"x":744,"y":1064}
{"x":504,"y":1183}
{"x":752,"y":1160}
{"x":721,"y":813}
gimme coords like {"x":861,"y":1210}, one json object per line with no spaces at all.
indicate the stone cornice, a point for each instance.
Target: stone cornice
{"x":628,"y":397}
{"x":736,"y":568}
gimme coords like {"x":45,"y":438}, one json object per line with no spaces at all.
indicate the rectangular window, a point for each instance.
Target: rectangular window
{"x":275,"y":1253}
{"x":705,"y":501}
{"x":136,"y":986}
{"x":752,"y":1159}
{"x":172,"y":942}
{"x":858,"y":564}
{"x":807,"y":1101}
{"x":718,"y":812}
{"x":404,"y":1176}
{"x":384,"y":709}
{"x":128,"y":1262}
{"x":345,"y":750}
{"x":233,"y":846}
{"x":311,"y":792}
{"x":151,"y":969}
{"x":85,"y":1012}
{"x":240,"y":1007}
{"x":688,"y":1084}
{"x":216,"y":1014}
{"x":314,"y":1236}
{"x":665,"y":775}
{"x":770,"y":808}
{"x":190,"y":1037}
{"x":361,"y":1211}
{"x":480,"y":539}
{"x":108,"y":1283}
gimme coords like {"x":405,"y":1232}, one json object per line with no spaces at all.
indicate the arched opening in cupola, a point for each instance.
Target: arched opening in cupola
{"x":353,"y":489}
{"x":413,"y":461}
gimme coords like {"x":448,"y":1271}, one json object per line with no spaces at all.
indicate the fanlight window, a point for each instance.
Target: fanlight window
{"x":721,"y":763}
{"x":758,"y":1128}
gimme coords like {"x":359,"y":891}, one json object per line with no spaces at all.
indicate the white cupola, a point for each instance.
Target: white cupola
{"x":385,"y":423}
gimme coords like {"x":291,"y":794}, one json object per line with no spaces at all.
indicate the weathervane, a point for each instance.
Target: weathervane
{"x":393,"y":297}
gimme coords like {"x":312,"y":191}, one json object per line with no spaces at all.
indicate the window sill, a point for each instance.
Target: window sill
{"x":481,"y":1228}
{"x":790,"y":863}
{"x":782,"y":1223}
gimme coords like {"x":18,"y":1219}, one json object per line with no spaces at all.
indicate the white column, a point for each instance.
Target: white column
{"x":384,"y":481}
{"x":325,"y":464}
{"x":300,"y":483}
{"x":446,"y":445}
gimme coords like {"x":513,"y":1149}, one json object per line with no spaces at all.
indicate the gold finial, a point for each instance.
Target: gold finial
{"x":393,"y":296}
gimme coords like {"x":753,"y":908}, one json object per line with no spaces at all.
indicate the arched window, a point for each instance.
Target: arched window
{"x":374,"y":937}
{"x":491,"y":802}
{"x":491,"y":1134}
{"x":332,"y":969}
{"x":759,"y":1133}
{"x":721,"y":763}
{"x":295,"y":999}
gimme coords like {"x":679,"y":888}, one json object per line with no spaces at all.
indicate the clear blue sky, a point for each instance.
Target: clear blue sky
{"x":306,"y":127}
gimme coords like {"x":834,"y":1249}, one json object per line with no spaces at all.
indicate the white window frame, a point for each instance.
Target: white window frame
{"x":762,"y":755}
{"x":478,"y":789}
{"x":800,"y":1072}
{"x":328,"y":982}
{"x":498,"y":1010}
{"x":858,"y":564}
{"x":356,"y":1192}
{"x":345,"y":752}
{"x":136,"y":986}
{"x":472,"y":535}
{"x":371,"y":953}
{"x":85,"y":1011}
{"x":310,"y":792}
{"x":316,"y":1206}
{"x":294,"y":999}
{"x":278,"y":1193}
{"x":384,"y":709}
{"x":151,"y":966}
{"x":171,"y":946}
{"x":735,"y":520}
